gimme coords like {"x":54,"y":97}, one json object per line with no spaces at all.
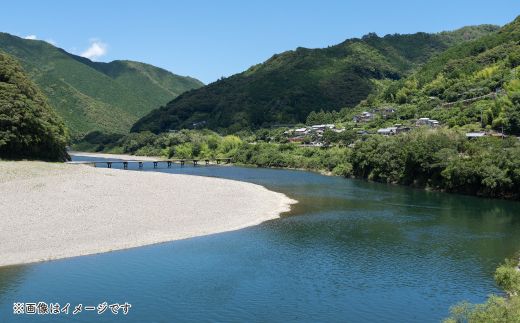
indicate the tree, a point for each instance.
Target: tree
{"x":496,"y":309}
{"x":29,"y":127}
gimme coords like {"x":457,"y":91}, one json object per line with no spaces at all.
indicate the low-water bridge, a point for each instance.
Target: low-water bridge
{"x":156,"y":163}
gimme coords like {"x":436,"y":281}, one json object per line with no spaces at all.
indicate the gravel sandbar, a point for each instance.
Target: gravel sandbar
{"x":51,"y":210}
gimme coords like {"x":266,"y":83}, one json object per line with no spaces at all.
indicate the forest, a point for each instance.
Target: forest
{"x":29,"y":127}
{"x":437,"y":159}
{"x":90,"y":95}
{"x":288,"y":86}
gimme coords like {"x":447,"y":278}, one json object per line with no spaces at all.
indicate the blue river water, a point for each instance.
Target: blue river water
{"x":349,"y":251}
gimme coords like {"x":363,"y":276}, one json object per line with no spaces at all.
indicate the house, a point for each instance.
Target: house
{"x":385,"y":112}
{"x":401,"y":128}
{"x":365,"y":116}
{"x":396,"y":129}
{"x":315,"y":132}
{"x":472,"y":135}
{"x":427,"y":122}
{"x":323,"y":127}
{"x":422,"y":121}
{"x":301,"y":131}
{"x":318,"y":129}
{"x":387,"y":131}
{"x":297,"y":131}
{"x":314,"y":144}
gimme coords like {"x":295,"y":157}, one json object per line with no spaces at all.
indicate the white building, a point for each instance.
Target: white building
{"x":323,"y":126}
{"x":471,"y":135}
{"x":387,"y":131}
{"x":300,"y":131}
{"x":427,"y":122}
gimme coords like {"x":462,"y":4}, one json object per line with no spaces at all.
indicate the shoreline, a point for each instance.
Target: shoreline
{"x":53,"y":211}
{"x":317,"y":171}
{"x":413,"y":187}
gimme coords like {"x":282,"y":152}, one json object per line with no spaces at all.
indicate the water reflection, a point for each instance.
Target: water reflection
{"x":349,"y":251}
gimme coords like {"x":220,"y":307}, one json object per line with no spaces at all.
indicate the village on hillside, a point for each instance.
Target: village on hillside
{"x":312,"y":135}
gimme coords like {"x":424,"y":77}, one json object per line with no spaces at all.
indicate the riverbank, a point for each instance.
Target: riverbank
{"x":51,"y":211}
{"x":441,"y":160}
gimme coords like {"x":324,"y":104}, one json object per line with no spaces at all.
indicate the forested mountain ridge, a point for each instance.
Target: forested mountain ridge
{"x":476,"y":83}
{"x":288,"y":86}
{"x":95,"y":96}
{"x":471,"y":91}
{"x":29,"y":127}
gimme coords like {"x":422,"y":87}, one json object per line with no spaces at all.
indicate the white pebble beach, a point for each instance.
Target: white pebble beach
{"x":51,"y":210}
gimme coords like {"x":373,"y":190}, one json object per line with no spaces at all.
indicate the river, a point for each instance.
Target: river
{"x":349,"y":251}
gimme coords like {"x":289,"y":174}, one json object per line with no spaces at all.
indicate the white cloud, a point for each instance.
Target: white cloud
{"x":95,"y":50}
{"x":32,"y":37}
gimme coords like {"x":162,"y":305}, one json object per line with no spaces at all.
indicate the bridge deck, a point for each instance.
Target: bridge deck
{"x":168,"y":162}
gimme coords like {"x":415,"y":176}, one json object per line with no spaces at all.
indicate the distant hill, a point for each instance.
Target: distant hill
{"x":29,"y":127}
{"x":288,"y":86}
{"x":95,"y":96}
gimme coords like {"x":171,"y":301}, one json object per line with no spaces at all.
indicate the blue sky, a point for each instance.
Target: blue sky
{"x":210,"y":39}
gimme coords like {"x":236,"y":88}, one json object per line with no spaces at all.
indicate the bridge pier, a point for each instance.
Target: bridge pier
{"x":125,"y":163}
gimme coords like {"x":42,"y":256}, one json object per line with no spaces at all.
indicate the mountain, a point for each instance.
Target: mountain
{"x":477,"y":83}
{"x":288,"y":86}
{"x":95,"y":96}
{"x":29,"y":127}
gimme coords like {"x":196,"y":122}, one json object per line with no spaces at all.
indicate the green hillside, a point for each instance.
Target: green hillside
{"x":95,"y":96}
{"x":473,"y":85}
{"x":288,"y":86}
{"x":469,"y":86}
{"x":29,"y":127}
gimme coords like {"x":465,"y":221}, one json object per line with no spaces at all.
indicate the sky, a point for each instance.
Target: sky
{"x":211,"y":39}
